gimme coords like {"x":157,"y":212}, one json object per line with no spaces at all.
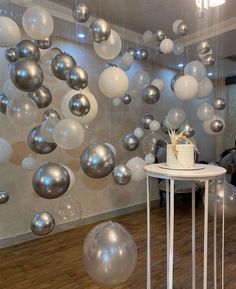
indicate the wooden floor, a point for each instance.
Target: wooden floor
{"x":55,"y":262}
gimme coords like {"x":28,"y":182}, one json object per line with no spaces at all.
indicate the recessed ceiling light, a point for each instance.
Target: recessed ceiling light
{"x":180,"y":65}
{"x":80,"y":35}
{"x":205,"y":4}
{"x":210,"y":73}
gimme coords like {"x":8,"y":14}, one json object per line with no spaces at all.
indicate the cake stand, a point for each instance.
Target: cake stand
{"x":198,"y":172}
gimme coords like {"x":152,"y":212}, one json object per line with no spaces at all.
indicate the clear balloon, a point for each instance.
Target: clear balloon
{"x":121,"y":175}
{"x":159,"y":83}
{"x":5,"y":151}
{"x":138,"y":132}
{"x":9,"y":32}
{"x":136,"y":166}
{"x":166,"y":46}
{"x":148,"y":36}
{"x":178,"y":48}
{"x":42,"y":224}
{"x":149,"y":159}
{"x":196,"y":69}
{"x":116,"y":101}
{"x":186,"y":87}
{"x":47,"y":128}
{"x":176,"y":115}
{"x":150,"y":143}
{"x":205,"y":111}
{"x":10,"y":90}
{"x":141,"y":79}
{"x":29,"y":163}
{"x":205,"y":88}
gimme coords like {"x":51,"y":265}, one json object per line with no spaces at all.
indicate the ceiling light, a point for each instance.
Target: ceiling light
{"x":210,"y":73}
{"x":180,"y":65}
{"x":205,"y":4}
{"x":81,"y":35}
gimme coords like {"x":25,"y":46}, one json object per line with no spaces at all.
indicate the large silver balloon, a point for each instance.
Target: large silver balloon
{"x":51,"y":113}
{"x":38,"y":144}
{"x":4,"y":197}
{"x":143,"y":54}
{"x":51,"y":181}
{"x":81,"y":13}
{"x":27,"y":49}
{"x":109,"y":254}
{"x":132,"y":51}
{"x":42,"y":224}
{"x":173,"y":80}
{"x":97,"y":160}
{"x":41,"y":96}
{"x":101,"y":30}
{"x":26,"y":75}
{"x":151,"y":94}
{"x":146,"y":119}
{"x":121,"y":175}
{"x":44,"y":44}
{"x":208,"y":60}
{"x":130,"y":142}
{"x":203,"y":47}
{"x":77,"y":78}
{"x":79,"y":105}
{"x":182,"y":29}
{"x":62,"y":63}
{"x":10,"y":54}
{"x":159,"y":35}
{"x":217,"y":126}
{"x":188,"y":130}
{"x":3,"y":103}
{"x":127,"y":99}
{"x":220,"y":103}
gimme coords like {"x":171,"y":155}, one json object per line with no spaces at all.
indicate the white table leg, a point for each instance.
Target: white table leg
{"x":171,"y":249}
{"x":193,"y":236}
{"x":148,"y":237}
{"x":205,"y":234}
{"x":223,"y":242}
{"x":167,"y":228}
{"x":215,"y":236}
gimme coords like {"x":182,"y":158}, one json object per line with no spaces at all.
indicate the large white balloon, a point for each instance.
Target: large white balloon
{"x":205,"y":88}
{"x":176,"y":116}
{"x":37,"y":22}
{"x":109,"y":48}
{"x":5,"y":150}
{"x":113,"y":82}
{"x":9,"y":32}
{"x":186,"y":87}
{"x":159,"y":83}
{"x":205,"y":111}
{"x":136,"y":166}
{"x":166,"y":46}
{"x":90,"y":116}
{"x":196,"y":69}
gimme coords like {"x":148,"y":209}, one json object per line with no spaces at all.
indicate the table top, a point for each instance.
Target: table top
{"x":207,"y":172}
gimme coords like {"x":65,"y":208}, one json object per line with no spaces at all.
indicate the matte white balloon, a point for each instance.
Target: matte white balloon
{"x":9,"y":32}
{"x":116,"y":102}
{"x":166,"y":46}
{"x":154,"y":125}
{"x":196,"y":69}
{"x":149,"y":159}
{"x":138,"y":132}
{"x":205,"y":88}
{"x":186,"y":87}
{"x":72,"y":178}
{"x":205,"y":111}
{"x":29,"y":163}
{"x":136,"y":166}
{"x":176,"y":24}
{"x":176,"y":116}
{"x":159,"y":83}
{"x":5,"y":150}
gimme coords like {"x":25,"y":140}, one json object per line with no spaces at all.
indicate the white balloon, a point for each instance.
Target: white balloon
{"x":9,"y":32}
{"x":113,"y":82}
{"x":159,"y":83}
{"x":196,"y":69}
{"x":47,"y":128}
{"x":186,"y":87}
{"x":178,"y":48}
{"x":38,"y":22}
{"x":5,"y":150}
{"x":116,"y":102}
{"x":169,"y":125}
{"x":154,"y":125}
{"x":127,"y":59}
{"x":176,"y":116}
{"x":110,"y":48}
{"x":141,"y":79}
{"x":111,"y":147}
{"x":138,"y":132}
{"x":148,"y":36}
{"x":29,"y":163}
{"x":205,"y":88}
{"x":72,"y":179}
{"x":166,"y":46}
{"x":11,"y":91}
{"x":136,"y":166}
{"x":149,"y":159}
{"x":175,"y":25}
{"x":205,"y":111}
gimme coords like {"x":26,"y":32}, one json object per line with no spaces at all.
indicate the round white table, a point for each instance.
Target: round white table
{"x":200,"y":172}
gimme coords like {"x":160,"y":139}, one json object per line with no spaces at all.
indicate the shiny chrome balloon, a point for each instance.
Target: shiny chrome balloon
{"x":109,"y":254}
{"x":79,"y":104}
{"x":133,"y":52}
{"x":121,"y":175}
{"x":182,"y":29}
{"x":101,"y":30}
{"x":42,"y":224}
{"x":77,"y":78}
{"x":203,"y":47}
{"x":217,"y":126}
{"x":127,"y":99}
{"x":81,"y":13}
{"x":3,"y":103}
{"x":51,"y":113}
{"x":38,"y":144}
{"x":26,"y":75}
{"x":97,"y":160}
{"x":146,"y":119}
{"x":150,"y":94}
{"x":220,"y":103}
{"x":27,"y":49}
{"x":4,"y":197}
{"x":62,"y":63}
{"x":130,"y":142}
{"x":10,"y":54}
{"x":159,"y":35}
{"x":44,"y":44}
{"x":188,"y":130}
{"x":173,"y":80}
{"x":143,"y":54}
{"x":41,"y":96}
{"x":51,"y":181}
{"x":208,"y":60}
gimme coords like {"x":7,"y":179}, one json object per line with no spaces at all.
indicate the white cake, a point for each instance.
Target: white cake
{"x":185,"y":156}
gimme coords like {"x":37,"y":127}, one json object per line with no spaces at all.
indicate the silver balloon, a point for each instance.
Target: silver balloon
{"x":79,"y":105}
{"x":97,"y":160}
{"x":62,"y":63}
{"x":3,"y":103}
{"x":132,"y":51}
{"x":4,"y":197}
{"x":44,"y":44}
{"x":77,"y":78}
{"x":203,"y":47}
{"x":27,"y":49}
{"x":81,"y":13}
{"x":127,"y":99}
{"x":42,"y":224}
{"x":38,"y":144}
{"x":130,"y":142}
{"x":182,"y":29}
{"x":101,"y":30}
{"x":159,"y":35}
{"x":143,"y":54}
{"x":220,"y":103}
{"x":121,"y":175}
{"x":217,"y":126}
{"x":109,"y":254}
{"x":146,"y":119}
{"x":151,"y":94}
{"x":50,"y":113}
{"x":41,"y":96}
{"x":10,"y":54}
{"x":173,"y":80}
{"x":188,"y":130}
{"x":208,"y":60}
{"x":51,"y":181}
{"x":26,"y":75}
